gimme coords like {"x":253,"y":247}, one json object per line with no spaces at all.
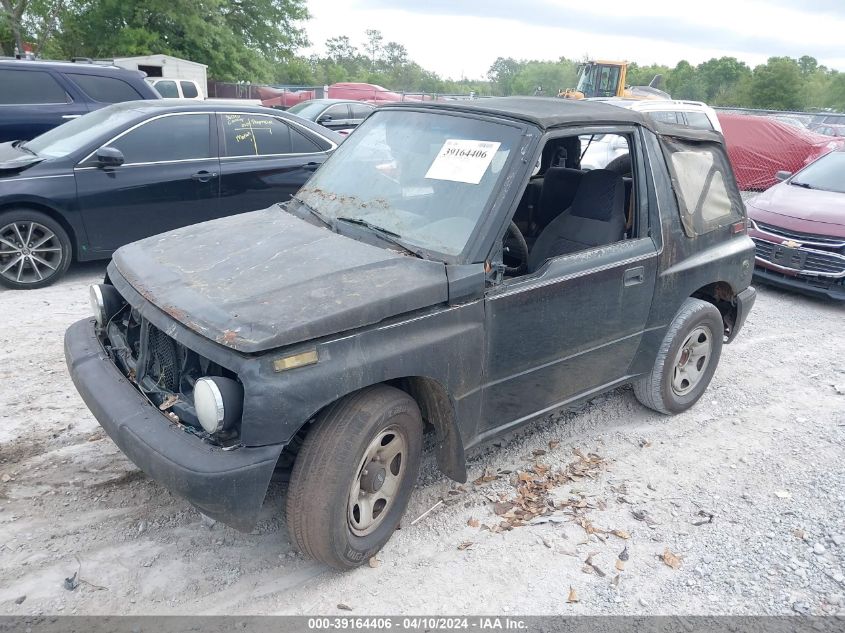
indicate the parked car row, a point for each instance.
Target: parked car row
{"x":138,"y":168}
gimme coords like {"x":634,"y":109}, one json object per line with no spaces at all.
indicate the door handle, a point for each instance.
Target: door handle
{"x":204,"y":176}
{"x":312,"y":166}
{"x":634,"y":276}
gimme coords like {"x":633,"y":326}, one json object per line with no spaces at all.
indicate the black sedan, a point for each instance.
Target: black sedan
{"x":135,"y":169}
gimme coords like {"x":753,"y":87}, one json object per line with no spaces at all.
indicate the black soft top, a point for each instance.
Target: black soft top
{"x":550,"y":112}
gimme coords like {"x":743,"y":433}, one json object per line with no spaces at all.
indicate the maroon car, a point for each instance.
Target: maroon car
{"x":798,"y":227}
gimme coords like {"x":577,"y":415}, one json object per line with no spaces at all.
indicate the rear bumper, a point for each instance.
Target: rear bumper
{"x":226,"y":485}
{"x":744,"y":302}
{"x":805,"y":285}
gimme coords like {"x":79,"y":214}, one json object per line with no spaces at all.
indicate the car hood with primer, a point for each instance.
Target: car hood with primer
{"x":267,"y":279}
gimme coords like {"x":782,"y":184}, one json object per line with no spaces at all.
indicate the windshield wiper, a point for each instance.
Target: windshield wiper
{"x":314,"y":212}
{"x":386,"y":234}
{"x":801,"y":184}
{"x":22,"y":145}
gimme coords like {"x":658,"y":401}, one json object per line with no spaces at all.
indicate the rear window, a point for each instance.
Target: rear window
{"x":29,"y":87}
{"x":105,"y":89}
{"x":255,"y":135}
{"x":361,"y":111}
{"x":666,"y":116}
{"x":698,"y":120}
{"x":702,"y":179}
{"x":189,"y":90}
{"x":301,"y":144}
{"x":167,"y":89}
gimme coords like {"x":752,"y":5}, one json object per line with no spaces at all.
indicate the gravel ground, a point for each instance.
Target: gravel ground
{"x":744,"y":495}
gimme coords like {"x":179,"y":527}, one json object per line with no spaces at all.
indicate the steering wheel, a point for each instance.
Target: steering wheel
{"x":515,"y":250}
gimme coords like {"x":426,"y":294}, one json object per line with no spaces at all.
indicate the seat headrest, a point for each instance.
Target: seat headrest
{"x":600,"y":196}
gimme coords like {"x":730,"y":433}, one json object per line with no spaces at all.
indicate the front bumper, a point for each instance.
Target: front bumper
{"x":811,"y":286}
{"x":227,"y":485}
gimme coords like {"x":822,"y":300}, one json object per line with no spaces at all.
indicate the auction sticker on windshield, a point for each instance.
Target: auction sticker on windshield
{"x":462,"y":160}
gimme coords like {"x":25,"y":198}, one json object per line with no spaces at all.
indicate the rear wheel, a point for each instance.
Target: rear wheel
{"x":686,"y":360}
{"x":354,"y":475}
{"x":35,"y":250}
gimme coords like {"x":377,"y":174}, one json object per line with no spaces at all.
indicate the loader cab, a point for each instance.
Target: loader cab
{"x":601,"y":79}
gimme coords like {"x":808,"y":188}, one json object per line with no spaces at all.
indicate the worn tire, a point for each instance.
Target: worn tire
{"x":27,"y":216}
{"x":655,"y":390}
{"x":327,"y":466}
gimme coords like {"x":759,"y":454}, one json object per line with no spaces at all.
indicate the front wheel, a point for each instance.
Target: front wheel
{"x":354,"y":475}
{"x":35,"y":250}
{"x":686,"y":360}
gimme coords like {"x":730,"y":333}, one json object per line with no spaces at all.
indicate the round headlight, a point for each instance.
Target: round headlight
{"x":218,"y":402}
{"x":105,"y":302}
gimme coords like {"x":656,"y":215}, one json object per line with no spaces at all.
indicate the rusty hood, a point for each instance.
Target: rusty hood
{"x":267,"y":279}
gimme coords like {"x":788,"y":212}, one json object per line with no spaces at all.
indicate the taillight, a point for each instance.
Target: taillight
{"x":739,"y":227}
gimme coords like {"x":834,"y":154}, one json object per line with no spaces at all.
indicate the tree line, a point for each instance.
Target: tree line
{"x":258,"y":41}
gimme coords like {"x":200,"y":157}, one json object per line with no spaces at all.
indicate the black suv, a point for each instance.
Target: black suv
{"x":37,"y":96}
{"x":450,"y":268}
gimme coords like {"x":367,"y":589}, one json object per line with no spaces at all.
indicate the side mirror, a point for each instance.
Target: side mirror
{"x":783,"y":175}
{"x":325,"y":118}
{"x":109,"y":157}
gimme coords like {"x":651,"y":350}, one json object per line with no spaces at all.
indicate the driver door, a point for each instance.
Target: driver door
{"x":571,"y":328}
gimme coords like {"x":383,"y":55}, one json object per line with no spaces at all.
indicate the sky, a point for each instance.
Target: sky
{"x":462,"y":38}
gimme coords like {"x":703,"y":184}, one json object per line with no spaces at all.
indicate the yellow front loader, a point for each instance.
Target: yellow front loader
{"x":609,"y":79}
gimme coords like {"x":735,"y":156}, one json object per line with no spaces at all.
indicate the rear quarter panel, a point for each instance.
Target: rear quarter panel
{"x":687,"y":264}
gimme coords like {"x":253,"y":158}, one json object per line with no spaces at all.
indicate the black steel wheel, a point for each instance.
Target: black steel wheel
{"x":353,"y":476}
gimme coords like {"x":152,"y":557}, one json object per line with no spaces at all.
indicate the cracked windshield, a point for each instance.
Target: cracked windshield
{"x":423,"y":179}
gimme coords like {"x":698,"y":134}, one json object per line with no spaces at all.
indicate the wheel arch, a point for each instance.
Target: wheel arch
{"x":722,"y":295}
{"x":438,"y":415}
{"x":54,"y":214}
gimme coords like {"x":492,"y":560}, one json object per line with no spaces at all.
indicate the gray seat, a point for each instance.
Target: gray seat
{"x":559,"y":187}
{"x":596,"y":217}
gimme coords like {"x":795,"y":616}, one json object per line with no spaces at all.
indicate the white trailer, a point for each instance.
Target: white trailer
{"x":168,"y":67}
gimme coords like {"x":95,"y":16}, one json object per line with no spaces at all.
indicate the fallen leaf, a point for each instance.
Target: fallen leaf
{"x":344,"y":607}
{"x":592,"y":566}
{"x":670,"y":559}
{"x":465,"y":545}
{"x":374,"y":562}
{"x":621,"y":534}
{"x":538,"y":452}
{"x":554,"y":443}
{"x":573,"y":596}
{"x":489,"y":475}
{"x":799,"y":534}
{"x":502,"y":507}
{"x":169,"y":401}
{"x":473,"y":523}
{"x":5,"y":478}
